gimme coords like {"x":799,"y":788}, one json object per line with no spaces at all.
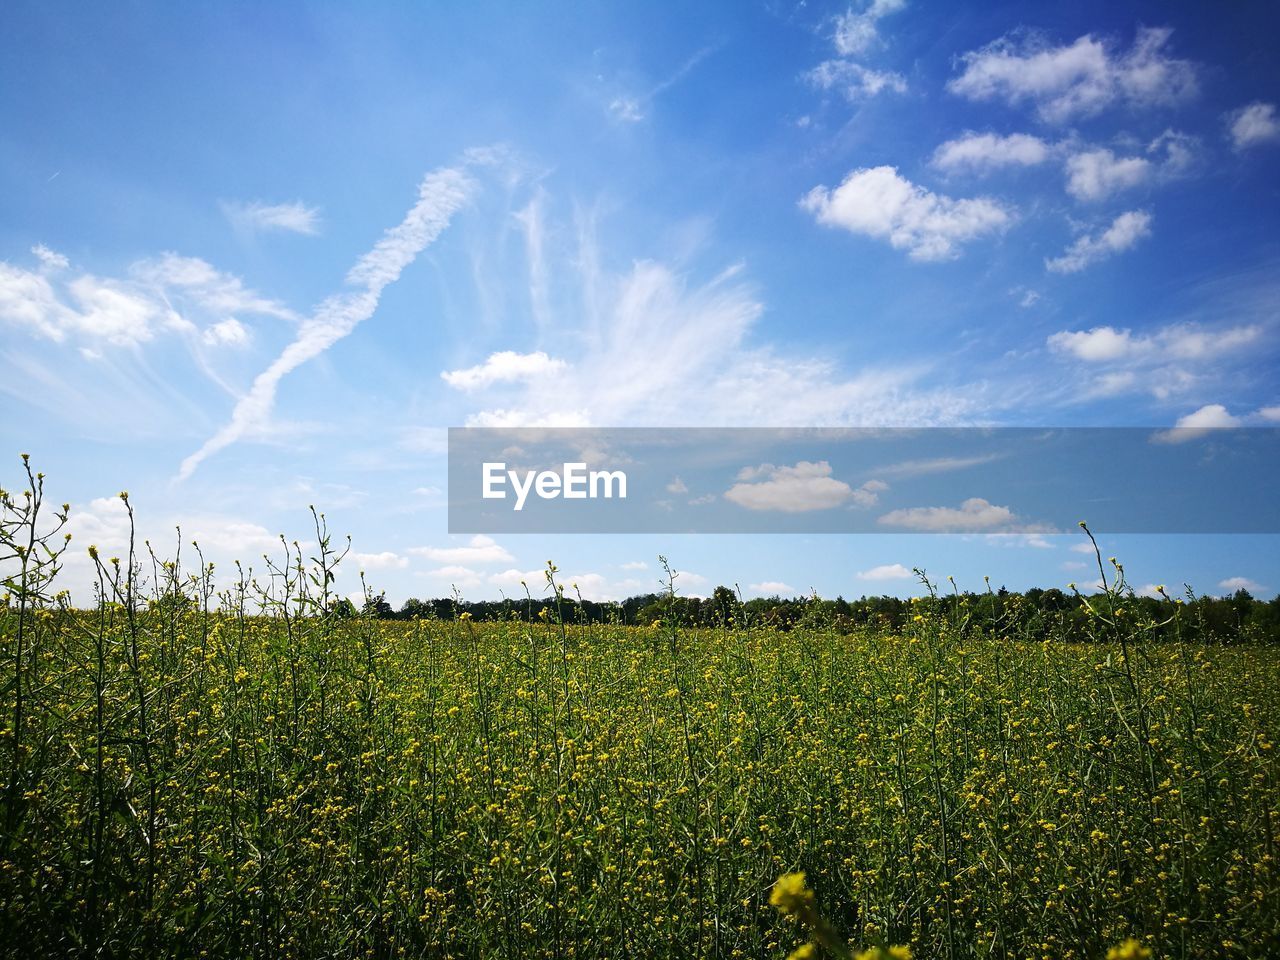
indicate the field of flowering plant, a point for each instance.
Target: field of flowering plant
{"x":229,"y":767}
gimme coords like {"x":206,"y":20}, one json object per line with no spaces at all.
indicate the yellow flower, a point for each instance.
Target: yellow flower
{"x":1130,"y":949}
{"x":880,"y":953}
{"x":806,"y":951}
{"x":791,"y":894}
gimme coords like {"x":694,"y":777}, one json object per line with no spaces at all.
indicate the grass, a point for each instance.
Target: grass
{"x":240,"y":774}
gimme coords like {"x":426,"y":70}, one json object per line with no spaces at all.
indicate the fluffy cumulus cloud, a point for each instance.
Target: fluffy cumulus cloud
{"x":1080,"y":79}
{"x":855,"y":81}
{"x":1199,"y":423}
{"x":877,"y":202}
{"x":857,"y":33}
{"x":986,"y":152}
{"x":973,"y":515}
{"x":104,"y":523}
{"x":886,"y":571}
{"x":1123,"y":234}
{"x":1232,"y":584}
{"x":797,"y":489}
{"x":167,"y":294}
{"x":278,"y":217}
{"x":1097,"y":174}
{"x":479,"y":550}
{"x":1253,"y":125}
{"x":386,"y":560}
{"x":857,"y":30}
{"x":1182,"y":341}
{"x":506,"y":366}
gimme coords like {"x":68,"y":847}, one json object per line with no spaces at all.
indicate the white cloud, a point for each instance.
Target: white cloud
{"x":158,"y":295}
{"x":1271,"y":414}
{"x":479,"y":550}
{"x":858,"y":31}
{"x":1125,"y":231}
{"x":229,"y":332}
{"x":28,"y":300}
{"x":1212,"y":416}
{"x":985,"y":152}
{"x":677,"y":486}
{"x":104,"y":523}
{"x":771,"y":588}
{"x":505,"y":366}
{"x":1097,"y":174}
{"x":710,"y":373}
{"x":464,"y":578}
{"x":803,"y":487}
{"x":868,"y":495}
{"x":887,"y":571}
{"x":386,"y":560}
{"x":1232,"y":584}
{"x":110,"y":311}
{"x":922,"y":467}
{"x":627,"y":109}
{"x":877,"y":202}
{"x":195,"y":282}
{"x":634,"y":565}
{"x":1099,"y":344}
{"x":440,"y":195}
{"x":1176,"y":342}
{"x":633,"y":109}
{"x":855,"y":81}
{"x":1253,"y":125}
{"x":264,"y":217}
{"x":50,"y":259}
{"x":973,"y":514}
{"x":1076,"y":80}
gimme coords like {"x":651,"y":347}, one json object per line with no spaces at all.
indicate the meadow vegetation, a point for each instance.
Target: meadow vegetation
{"x":201,"y":762}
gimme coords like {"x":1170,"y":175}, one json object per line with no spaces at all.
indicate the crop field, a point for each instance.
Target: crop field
{"x":231,"y":769}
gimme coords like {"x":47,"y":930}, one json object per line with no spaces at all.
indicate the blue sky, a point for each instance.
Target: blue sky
{"x":256,"y":258}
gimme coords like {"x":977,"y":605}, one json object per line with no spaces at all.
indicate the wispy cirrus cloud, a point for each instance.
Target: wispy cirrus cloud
{"x":260,"y":217}
{"x":650,"y":344}
{"x":440,"y":195}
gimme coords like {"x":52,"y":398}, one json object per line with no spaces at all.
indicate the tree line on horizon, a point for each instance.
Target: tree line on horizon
{"x":1035,"y":613}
